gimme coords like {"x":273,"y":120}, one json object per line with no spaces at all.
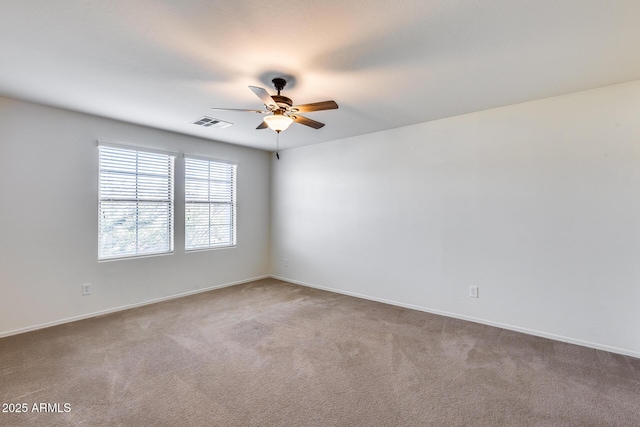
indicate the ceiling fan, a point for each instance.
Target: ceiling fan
{"x":281,"y":111}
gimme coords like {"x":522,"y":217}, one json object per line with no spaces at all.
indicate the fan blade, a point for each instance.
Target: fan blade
{"x":241,"y":110}
{"x":307,"y":122}
{"x":316,"y":106}
{"x":265,"y":98}
{"x":262,"y":125}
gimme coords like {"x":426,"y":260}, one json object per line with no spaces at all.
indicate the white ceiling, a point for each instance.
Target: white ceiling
{"x":386,"y":63}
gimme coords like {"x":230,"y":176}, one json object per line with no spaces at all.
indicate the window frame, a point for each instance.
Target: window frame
{"x":232,"y":202}
{"x":137,"y":200}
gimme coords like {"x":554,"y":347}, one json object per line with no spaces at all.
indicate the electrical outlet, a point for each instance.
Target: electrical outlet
{"x":86,"y":289}
{"x":473,"y":291}
{"x":286,"y":262}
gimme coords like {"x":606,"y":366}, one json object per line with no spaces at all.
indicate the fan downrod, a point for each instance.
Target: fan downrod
{"x":279,"y":83}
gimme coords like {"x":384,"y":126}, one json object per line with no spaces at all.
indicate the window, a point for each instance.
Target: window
{"x":210,"y":204}
{"x":135,"y":202}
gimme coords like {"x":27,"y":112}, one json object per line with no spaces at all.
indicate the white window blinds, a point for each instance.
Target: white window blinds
{"x":135,"y":202}
{"x":210,"y":204}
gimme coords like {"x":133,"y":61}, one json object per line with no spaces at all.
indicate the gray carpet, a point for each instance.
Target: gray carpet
{"x":269,"y":353}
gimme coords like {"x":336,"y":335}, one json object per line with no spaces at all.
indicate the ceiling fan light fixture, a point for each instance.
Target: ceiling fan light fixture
{"x":278,"y":122}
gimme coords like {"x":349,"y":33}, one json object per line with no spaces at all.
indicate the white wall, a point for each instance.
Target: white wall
{"x":48,"y":220}
{"x":538,"y":204}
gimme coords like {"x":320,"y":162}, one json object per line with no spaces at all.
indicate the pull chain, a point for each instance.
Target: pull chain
{"x":277,"y":145}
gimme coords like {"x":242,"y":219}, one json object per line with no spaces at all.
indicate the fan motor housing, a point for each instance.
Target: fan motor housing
{"x":282,"y":100}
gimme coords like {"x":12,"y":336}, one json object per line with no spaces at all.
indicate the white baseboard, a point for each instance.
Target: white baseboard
{"x":125,"y":307}
{"x":537,"y":333}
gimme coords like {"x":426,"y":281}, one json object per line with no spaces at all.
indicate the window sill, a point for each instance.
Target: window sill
{"x":215,"y":248}
{"x":123,"y":258}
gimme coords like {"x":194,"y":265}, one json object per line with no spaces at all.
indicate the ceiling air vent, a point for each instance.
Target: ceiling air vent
{"x":210,"y":122}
